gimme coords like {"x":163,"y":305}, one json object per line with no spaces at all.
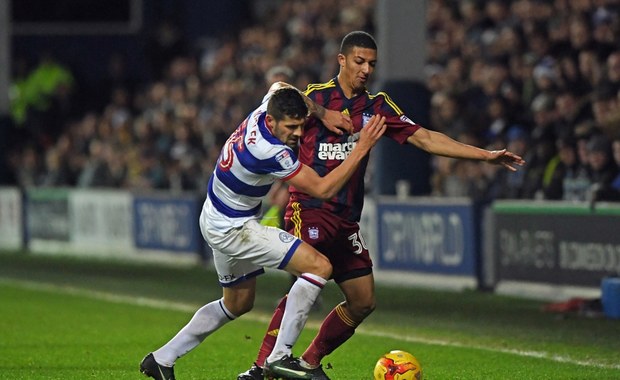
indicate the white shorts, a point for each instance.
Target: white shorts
{"x":242,"y":253}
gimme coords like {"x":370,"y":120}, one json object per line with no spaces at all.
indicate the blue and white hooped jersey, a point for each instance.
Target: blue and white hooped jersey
{"x":251,"y":160}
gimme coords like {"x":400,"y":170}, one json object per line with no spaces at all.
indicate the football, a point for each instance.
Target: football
{"x":398,"y":365}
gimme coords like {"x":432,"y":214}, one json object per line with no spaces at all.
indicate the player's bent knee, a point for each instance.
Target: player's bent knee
{"x":238,"y":303}
{"x":324,"y":269}
{"x":239,"y":308}
{"x":360,"y":311}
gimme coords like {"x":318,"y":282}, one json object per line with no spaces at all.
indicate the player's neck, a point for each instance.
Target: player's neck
{"x":347,"y":90}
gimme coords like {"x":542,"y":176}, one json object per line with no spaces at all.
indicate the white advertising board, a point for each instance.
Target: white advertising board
{"x":101,"y":220}
{"x":11,"y":219}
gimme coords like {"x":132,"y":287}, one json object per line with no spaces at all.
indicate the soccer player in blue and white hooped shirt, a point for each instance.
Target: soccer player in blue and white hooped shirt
{"x":259,"y":152}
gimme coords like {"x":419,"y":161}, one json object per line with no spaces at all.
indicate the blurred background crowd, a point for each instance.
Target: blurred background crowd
{"x":539,"y":77}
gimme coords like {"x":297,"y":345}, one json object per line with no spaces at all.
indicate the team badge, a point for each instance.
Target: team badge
{"x":285,"y":237}
{"x":365,"y":119}
{"x":285,"y":159}
{"x":313,"y":233}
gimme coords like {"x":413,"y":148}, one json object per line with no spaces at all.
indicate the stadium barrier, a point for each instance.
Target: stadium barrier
{"x":554,"y":250}
{"x":548,"y":250}
{"x":114,"y":223}
{"x":426,"y":241}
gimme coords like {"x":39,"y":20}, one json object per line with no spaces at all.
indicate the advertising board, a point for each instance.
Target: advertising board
{"x":428,"y":235}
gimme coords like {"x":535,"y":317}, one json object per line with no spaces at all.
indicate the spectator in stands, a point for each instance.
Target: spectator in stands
{"x":446,"y":114}
{"x":509,"y":185}
{"x":542,"y":146}
{"x":605,"y":108}
{"x":604,"y":31}
{"x":580,"y":35}
{"x":96,"y":172}
{"x":572,"y":108}
{"x":612,"y":72}
{"x":28,"y":167}
{"x":561,"y":169}
{"x":55,"y":173}
{"x":603,"y":169}
{"x":590,"y":68}
{"x":546,"y":76}
{"x":571,"y":78}
{"x":478,"y":52}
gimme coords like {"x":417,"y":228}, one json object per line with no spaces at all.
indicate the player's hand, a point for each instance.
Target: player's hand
{"x":337,"y":122}
{"x":506,"y":159}
{"x":372,"y":132}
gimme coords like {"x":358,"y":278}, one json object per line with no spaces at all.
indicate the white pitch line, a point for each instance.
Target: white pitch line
{"x":190,"y":308}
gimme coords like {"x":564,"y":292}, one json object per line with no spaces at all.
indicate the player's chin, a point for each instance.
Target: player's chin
{"x":292,"y":144}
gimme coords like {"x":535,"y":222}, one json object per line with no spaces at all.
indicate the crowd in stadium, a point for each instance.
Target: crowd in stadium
{"x":539,"y":77}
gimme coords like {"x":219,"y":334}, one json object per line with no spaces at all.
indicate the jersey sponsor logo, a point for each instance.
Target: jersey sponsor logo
{"x":335,"y":151}
{"x":286,"y":237}
{"x":313,"y":233}
{"x":285,"y":159}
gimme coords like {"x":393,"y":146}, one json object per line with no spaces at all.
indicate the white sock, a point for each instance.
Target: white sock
{"x":301,"y":297}
{"x":206,"y":320}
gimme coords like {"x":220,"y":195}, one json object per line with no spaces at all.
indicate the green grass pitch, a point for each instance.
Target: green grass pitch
{"x":63,"y":318}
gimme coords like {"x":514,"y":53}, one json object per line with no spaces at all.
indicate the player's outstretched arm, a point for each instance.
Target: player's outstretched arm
{"x":333,"y":120}
{"x":442,"y":145}
{"x":308,"y":181}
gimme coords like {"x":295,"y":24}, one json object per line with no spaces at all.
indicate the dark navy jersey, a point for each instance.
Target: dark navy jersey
{"x":323,"y":150}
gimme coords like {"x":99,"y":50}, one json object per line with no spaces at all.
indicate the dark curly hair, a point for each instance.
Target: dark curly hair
{"x":287,"y":102}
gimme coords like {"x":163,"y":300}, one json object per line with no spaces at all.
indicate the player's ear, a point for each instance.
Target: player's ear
{"x":341,"y":60}
{"x":269,"y":120}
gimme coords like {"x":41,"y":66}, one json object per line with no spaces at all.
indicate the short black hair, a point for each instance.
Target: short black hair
{"x":287,"y":102}
{"x":357,"y":38}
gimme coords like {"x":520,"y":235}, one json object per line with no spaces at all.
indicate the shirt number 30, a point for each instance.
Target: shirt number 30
{"x":358,"y":243}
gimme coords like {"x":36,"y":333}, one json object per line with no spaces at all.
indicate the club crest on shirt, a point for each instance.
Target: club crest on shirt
{"x":365,"y":119}
{"x":285,"y":159}
{"x":285,"y":237}
{"x":313,"y":233}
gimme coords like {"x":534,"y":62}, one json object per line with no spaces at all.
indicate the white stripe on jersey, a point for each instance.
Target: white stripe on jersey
{"x":251,"y":160}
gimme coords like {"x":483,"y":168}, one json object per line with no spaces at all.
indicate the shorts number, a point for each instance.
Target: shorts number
{"x":358,"y":243}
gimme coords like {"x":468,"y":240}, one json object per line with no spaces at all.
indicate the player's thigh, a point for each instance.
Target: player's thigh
{"x":232,"y":271}
{"x":306,"y":259}
{"x":254,"y":243}
{"x":338,"y":239}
